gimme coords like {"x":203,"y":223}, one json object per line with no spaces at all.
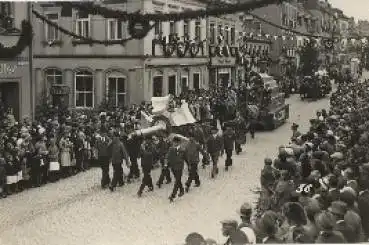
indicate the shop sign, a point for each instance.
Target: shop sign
{"x":59,"y":90}
{"x":7,"y":69}
{"x":172,"y":46}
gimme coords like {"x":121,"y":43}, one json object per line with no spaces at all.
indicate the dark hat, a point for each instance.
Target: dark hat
{"x":348,"y":195}
{"x":194,"y":238}
{"x":312,"y":207}
{"x":176,"y":139}
{"x":338,"y":207}
{"x":268,"y":161}
{"x":294,"y":125}
{"x":245,"y":209}
{"x":295,"y":212}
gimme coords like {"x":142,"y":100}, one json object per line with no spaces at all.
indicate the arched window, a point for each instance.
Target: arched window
{"x":84,"y":89}
{"x":53,"y":76}
{"x":117,"y":89}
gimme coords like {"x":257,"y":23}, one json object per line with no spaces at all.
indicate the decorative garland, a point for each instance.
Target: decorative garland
{"x":140,"y":32}
{"x":24,"y":41}
{"x":94,"y":9}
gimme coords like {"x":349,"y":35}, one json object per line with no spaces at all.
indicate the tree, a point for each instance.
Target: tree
{"x":309,"y":58}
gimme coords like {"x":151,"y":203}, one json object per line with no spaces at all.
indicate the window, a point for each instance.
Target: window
{"x":184,"y":84}
{"x":172,"y":85}
{"x":212,"y":33}
{"x":226,"y":35}
{"x":83,"y":24}
{"x":51,"y":33}
{"x":84,"y":89}
{"x":53,"y":76}
{"x":299,"y":20}
{"x":172,"y":27}
{"x":186,"y":28}
{"x":198,"y":30}
{"x":196,"y":81}
{"x":158,"y":86}
{"x":233,"y":35}
{"x":158,"y":26}
{"x":117,"y":90}
{"x":115,"y":29}
{"x":284,"y":19}
{"x":6,"y":10}
{"x":220,"y":30}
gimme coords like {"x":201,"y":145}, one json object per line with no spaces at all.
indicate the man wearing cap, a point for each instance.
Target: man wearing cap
{"x":102,"y":144}
{"x":235,"y":236}
{"x":175,"y":160}
{"x":245,"y":213}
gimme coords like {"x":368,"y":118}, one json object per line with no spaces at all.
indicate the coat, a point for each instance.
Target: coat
{"x":192,"y":152}
{"x":103,"y":147}
{"x":175,"y":159}
{"x":215,"y":144}
{"x":229,"y":137}
{"x":117,"y":152}
{"x":147,"y":158}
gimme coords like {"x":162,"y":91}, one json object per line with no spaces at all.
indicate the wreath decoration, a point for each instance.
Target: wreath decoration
{"x":169,"y":49}
{"x":219,"y":51}
{"x":181,"y":49}
{"x":23,"y":42}
{"x":138,"y":28}
{"x":194,"y":49}
{"x":226,"y":51}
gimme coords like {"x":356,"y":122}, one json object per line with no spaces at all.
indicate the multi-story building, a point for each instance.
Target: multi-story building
{"x":363,"y":28}
{"x":15,"y":73}
{"x":89,"y":74}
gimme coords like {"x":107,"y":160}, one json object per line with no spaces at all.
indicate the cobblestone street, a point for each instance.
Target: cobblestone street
{"x":76,"y":211}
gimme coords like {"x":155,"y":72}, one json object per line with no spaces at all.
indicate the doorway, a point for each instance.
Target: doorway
{"x":172,"y":85}
{"x":196,"y":81}
{"x":224,"y":79}
{"x":184,"y":84}
{"x":9,"y":97}
{"x":158,"y":86}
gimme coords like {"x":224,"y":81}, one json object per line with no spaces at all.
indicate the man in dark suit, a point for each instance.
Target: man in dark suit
{"x":229,"y":142}
{"x":193,"y":148}
{"x":214,"y":148}
{"x":175,"y":160}
{"x":102,"y":144}
{"x":147,"y":162}
{"x":161,"y":149}
{"x":117,"y":152}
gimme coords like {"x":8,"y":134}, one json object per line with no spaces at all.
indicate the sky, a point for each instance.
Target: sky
{"x":359,"y":9}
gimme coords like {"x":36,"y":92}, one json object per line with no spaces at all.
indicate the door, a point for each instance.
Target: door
{"x":9,"y":97}
{"x":196,"y":81}
{"x":172,"y":85}
{"x":184,"y":84}
{"x":224,"y":79}
{"x":158,"y":86}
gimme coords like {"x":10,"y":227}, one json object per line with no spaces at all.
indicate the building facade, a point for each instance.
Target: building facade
{"x":86,"y":75}
{"x":15,"y":73}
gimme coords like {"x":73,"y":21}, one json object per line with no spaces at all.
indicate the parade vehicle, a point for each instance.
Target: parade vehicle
{"x":271,"y":110}
{"x":315,"y":87}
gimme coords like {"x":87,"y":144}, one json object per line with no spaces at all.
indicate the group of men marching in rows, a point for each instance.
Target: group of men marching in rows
{"x":171,"y":153}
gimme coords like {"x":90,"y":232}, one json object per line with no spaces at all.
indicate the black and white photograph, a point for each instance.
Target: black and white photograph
{"x":184,"y":122}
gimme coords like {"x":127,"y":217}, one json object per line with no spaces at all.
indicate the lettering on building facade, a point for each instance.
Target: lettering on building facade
{"x":174,"y":46}
{"x":7,"y":69}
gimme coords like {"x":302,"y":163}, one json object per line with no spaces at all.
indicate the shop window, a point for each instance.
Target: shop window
{"x":172,"y":85}
{"x":186,"y":27}
{"x":117,"y":90}
{"x":84,"y":89}
{"x":158,"y":86}
{"x":83,"y":24}
{"x":198,"y":30}
{"x":212,"y":33}
{"x":115,"y":29}
{"x":51,"y":33}
{"x":196,"y":81}
{"x":53,"y":76}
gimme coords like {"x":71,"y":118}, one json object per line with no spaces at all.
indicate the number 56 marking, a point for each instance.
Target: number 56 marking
{"x":304,"y":188}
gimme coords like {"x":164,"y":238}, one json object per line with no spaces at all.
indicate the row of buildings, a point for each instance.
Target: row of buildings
{"x":60,"y":69}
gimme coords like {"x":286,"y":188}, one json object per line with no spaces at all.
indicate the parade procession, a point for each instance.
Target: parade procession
{"x":193,"y":122}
